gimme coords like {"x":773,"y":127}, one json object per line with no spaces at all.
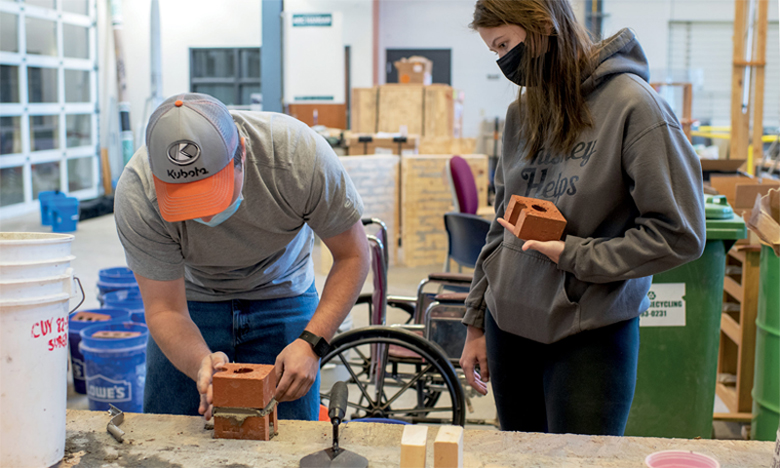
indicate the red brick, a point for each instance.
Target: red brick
{"x":253,"y":428}
{"x":244,"y":386}
{"x":535,"y":219}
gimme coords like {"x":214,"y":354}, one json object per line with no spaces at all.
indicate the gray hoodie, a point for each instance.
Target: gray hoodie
{"x":631,"y":191}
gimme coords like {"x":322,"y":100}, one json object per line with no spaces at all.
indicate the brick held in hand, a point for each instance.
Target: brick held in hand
{"x":534,"y":219}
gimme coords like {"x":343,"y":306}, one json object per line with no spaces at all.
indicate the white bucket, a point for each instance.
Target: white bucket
{"x":33,"y":353}
{"x":28,"y":247}
{"x":32,"y":270}
{"x":36,"y":287}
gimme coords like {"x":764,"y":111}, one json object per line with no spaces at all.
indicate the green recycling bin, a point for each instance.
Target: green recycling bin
{"x":766,"y":383}
{"x":679,"y":336}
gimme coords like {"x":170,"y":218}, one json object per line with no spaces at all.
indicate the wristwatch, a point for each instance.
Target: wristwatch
{"x":318,"y":343}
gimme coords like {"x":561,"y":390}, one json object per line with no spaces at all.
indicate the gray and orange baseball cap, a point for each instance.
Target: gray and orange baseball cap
{"x":191,"y":140}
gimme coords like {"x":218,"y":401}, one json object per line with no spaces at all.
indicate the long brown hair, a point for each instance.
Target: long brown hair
{"x":558,"y":57}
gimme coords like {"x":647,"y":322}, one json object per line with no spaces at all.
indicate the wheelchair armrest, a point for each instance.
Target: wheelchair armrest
{"x":406,"y":303}
{"x":450,"y":277}
{"x":451,"y":297}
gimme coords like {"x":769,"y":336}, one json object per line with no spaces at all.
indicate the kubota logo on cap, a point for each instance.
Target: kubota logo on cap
{"x":183,"y":152}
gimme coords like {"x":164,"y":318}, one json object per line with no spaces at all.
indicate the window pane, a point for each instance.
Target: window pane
{"x":9,"y":83}
{"x":250,"y":63}
{"x":213,"y":63}
{"x":44,"y":132}
{"x":11,"y":186}
{"x":75,"y":41}
{"x":76,"y":86}
{"x":45,"y":177}
{"x":41,"y":3}
{"x":246,"y":93}
{"x":42,"y":84}
{"x":80,"y":173}
{"x":79,"y":130}
{"x":10,"y":135}
{"x":76,"y":6}
{"x":9,"y":32}
{"x":224,"y":93}
{"x":41,"y":36}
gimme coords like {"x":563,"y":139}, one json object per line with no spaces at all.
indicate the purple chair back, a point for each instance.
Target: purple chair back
{"x":464,"y":189}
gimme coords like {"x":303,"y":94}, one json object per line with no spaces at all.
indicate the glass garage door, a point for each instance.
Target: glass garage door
{"x":48,"y":113}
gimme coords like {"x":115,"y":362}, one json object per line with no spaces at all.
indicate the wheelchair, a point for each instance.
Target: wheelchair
{"x":409,"y":371}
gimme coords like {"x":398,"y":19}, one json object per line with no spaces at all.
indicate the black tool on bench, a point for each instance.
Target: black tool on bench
{"x":335,"y":457}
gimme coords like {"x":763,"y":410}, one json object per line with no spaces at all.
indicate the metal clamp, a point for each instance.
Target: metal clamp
{"x":117,"y":418}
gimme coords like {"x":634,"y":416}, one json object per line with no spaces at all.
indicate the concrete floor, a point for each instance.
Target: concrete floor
{"x":97,"y":246}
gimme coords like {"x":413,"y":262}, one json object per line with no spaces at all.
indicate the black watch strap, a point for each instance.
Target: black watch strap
{"x":318,"y":343}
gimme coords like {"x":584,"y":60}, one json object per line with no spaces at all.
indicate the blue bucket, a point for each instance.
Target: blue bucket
{"x":114,"y":279}
{"x":64,"y":214}
{"x":138,"y":317}
{"x":128,"y":299}
{"x":78,"y":321}
{"x":115,"y":367}
{"x":45,"y":199}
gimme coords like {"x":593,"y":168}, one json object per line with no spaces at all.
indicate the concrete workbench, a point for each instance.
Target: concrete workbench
{"x":157,"y":441}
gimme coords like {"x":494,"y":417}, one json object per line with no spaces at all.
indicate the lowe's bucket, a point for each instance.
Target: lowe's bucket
{"x":114,"y":279}
{"x":64,"y":214}
{"x":78,"y":321}
{"x":36,"y":283}
{"x":128,"y":299}
{"x":115,"y":363}
{"x":138,"y":317}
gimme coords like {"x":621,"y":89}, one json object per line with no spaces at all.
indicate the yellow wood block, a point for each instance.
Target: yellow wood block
{"x":448,"y":448}
{"x":413,"y":444}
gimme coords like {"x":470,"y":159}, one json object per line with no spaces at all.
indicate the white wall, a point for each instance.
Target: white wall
{"x":358,"y":32}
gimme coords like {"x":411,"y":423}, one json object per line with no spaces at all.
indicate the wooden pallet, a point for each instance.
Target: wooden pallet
{"x":738,"y":328}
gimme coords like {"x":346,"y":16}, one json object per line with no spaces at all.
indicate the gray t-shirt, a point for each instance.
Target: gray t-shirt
{"x":294,"y":186}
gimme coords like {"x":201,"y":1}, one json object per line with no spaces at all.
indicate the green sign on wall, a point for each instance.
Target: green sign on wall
{"x":312,"y":19}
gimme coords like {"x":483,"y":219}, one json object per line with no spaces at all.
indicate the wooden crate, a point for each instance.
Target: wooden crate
{"x":439,"y":111}
{"x":447,"y":145}
{"x":736,"y":354}
{"x":425,"y":197}
{"x":400,"y":105}
{"x":434,"y":111}
{"x":363,"y":111}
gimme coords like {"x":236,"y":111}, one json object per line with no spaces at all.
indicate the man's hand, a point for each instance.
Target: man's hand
{"x":209,"y":366}
{"x":552,"y":249}
{"x":475,"y":354}
{"x":296,"y":369}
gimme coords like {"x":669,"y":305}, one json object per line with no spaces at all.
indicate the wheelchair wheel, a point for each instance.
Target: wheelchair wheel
{"x":421,"y":386}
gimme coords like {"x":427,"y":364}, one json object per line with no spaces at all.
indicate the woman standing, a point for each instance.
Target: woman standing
{"x":555,"y":324}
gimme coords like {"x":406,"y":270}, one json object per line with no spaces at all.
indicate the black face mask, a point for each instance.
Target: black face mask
{"x":510,"y":64}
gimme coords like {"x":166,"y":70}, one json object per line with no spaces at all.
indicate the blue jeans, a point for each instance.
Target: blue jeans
{"x":252,"y":332}
{"x":583,"y":384}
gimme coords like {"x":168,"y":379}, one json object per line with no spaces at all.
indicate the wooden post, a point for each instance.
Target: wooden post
{"x":105,"y":167}
{"x":740,"y":122}
{"x":759,"y":73}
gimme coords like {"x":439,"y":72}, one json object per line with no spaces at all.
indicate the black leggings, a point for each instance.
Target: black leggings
{"x":583,"y":384}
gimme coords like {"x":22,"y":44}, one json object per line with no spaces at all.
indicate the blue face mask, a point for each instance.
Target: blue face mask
{"x":223,"y":216}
